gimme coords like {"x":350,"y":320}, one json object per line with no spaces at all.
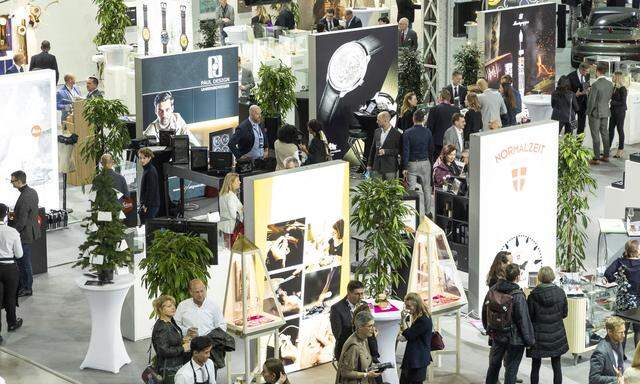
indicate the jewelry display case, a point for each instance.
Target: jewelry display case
{"x":610,"y":62}
{"x":630,"y":68}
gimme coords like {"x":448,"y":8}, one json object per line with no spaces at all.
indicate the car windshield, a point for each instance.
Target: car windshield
{"x":615,"y":20}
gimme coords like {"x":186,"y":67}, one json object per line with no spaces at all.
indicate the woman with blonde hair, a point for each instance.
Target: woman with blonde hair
{"x":172,"y":349}
{"x":409,"y":106}
{"x":231,"y":209}
{"x":618,"y":112}
{"x":632,"y":374}
{"x":417,"y":332}
{"x":473,"y":117}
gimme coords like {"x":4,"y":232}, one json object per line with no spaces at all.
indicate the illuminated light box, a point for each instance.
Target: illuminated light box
{"x":28,"y":135}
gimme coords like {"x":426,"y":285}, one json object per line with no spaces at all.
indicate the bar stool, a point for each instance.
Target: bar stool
{"x":355,"y":135}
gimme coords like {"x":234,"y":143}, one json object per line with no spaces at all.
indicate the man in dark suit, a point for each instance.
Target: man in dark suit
{"x":351,"y":20}
{"x":580,"y":85}
{"x":249,"y":140}
{"x":407,"y":38}
{"x":329,"y":21}
{"x":44,"y":60}
{"x":341,"y":316}
{"x":407,"y":9}
{"x":607,"y":361}
{"x":599,"y":112}
{"x":439,"y":120}
{"x":383,"y":158}
{"x":92,"y":88}
{"x":26,"y":223}
{"x":457,"y":90}
{"x":119,"y":182}
{"x":18,"y":62}
{"x":285,"y":18}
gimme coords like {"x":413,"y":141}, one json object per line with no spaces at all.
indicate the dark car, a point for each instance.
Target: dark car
{"x":610,"y":31}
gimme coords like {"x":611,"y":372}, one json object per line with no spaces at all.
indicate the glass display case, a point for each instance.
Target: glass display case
{"x":630,"y":68}
{"x":609,"y":61}
{"x":433,"y":273}
{"x":249,"y":306}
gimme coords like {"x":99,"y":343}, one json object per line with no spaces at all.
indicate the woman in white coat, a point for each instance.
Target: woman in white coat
{"x":230,"y":206}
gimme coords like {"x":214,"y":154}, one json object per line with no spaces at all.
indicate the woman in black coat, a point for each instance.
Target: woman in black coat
{"x":409,"y":106}
{"x":618,"y":112}
{"x":547,"y":308}
{"x":473,"y":117}
{"x":417,"y":333}
{"x":564,"y":104}
{"x":172,"y":350}
{"x":318,"y":150}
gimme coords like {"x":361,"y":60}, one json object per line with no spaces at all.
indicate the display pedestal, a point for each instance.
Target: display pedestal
{"x":539,"y":107}
{"x":388,"y":325}
{"x":616,"y":200}
{"x":437,"y":355}
{"x":136,"y":324}
{"x":106,"y":349}
{"x":632,"y":119}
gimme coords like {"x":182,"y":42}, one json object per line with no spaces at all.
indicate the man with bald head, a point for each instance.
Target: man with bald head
{"x":199,"y":315}
{"x":383,"y":159}
{"x":407,"y":38}
{"x":249,"y":141}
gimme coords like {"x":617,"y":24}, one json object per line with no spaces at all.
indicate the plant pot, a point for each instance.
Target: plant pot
{"x":105,"y":276}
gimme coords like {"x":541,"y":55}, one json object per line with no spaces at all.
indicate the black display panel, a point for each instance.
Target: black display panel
{"x":204,"y":229}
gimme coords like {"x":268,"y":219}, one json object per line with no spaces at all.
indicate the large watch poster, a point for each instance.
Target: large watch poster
{"x":163,"y":26}
{"x":350,"y":67}
{"x":514,"y":175}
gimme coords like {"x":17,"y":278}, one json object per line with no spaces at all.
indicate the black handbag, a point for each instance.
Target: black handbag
{"x":437,"y":343}
{"x":150,"y":375}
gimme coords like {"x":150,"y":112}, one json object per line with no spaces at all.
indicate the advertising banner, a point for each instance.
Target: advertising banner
{"x":349,"y":68}
{"x":192,"y":93}
{"x":29,"y":135}
{"x":499,"y":4}
{"x":299,"y":218}
{"x":520,"y":42}
{"x":164,"y":26}
{"x":514,"y":172}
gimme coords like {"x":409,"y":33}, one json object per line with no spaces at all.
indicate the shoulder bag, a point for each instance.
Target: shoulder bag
{"x":150,"y":375}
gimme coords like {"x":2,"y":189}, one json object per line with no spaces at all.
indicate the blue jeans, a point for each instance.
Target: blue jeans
{"x":24,"y":265}
{"x":512,"y":355}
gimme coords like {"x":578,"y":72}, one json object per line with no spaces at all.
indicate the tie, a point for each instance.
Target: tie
{"x":202,"y":374}
{"x":329,"y":24}
{"x":402,"y":37}
{"x":455,"y":92}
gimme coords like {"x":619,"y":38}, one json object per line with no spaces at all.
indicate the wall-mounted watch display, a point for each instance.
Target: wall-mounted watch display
{"x":166,"y":26}
{"x":164,"y":35}
{"x":146,"y":34}
{"x":184,"y":40}
{"x":5,"y":33}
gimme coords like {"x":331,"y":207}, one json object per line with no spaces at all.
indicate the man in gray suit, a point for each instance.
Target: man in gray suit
{"x":383,"y":159}
{"x":26,"y":223}
{"x":598,"y":113}
{"x":407,"y":38}
{"x":607,"y":361}
{"x":454,"y":135}
{"x":491,"y":104}
{"x":247,"y":82}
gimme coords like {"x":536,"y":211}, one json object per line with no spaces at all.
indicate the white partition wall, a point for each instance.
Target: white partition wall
{"x":513,"y":195}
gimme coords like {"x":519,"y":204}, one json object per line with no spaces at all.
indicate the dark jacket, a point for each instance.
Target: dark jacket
{"x":405,"y":121}
{"x":547,"y":308}
{"x":632,"y":272}
{"x":26,"y":215}
{"x":565,"y":106}
{"x":166,"y":339}
{"x":619,"y":100}
{"x":473,"y":123}
{"x":406,"y":8}
{"x":462,"y":94}
{"x":14,"y":69}
{"x":341,"y":320}
{"x":317,"y":151}
{"x":417,"y":353}
{"x":334,"y":23}
{"x":577,"y":86}
{"x":417,"y":145}
{"x":149,"y":187}
{"x":285,"y":19}
{"x":410,"y":40}
{"x":119,"y":182}
{"x":222,"y":343}
{"x":44,"y":60}
{"x":439,"y":120}
{"x":388,"y":162}
{"x":242,"y":139}
{"x":601,"y":364}
{"x":521,"y":332}
{"x":354,"y":23}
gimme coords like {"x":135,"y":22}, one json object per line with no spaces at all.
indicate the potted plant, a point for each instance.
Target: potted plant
{"x":113,"y":20}
{"x":409,"y":75}
{"x":209,"y":29}
{"x":172,"y":261}
{"x":377,"y":213}
{"x":105,"y":247}
{"x":108,"y":133}
{"x":467,"y":61}
{"x":575,"y":184}
{"x":276,"y":95}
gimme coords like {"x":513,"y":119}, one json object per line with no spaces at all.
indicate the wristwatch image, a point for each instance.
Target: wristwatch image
{"x":164,"y":35}
{"x":346,"y":71}
{"x":146,"y":34}
{"x":184,"y":40}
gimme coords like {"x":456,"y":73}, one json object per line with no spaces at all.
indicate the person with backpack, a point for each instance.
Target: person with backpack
{"x":496,"y":272}
{"x":547,"y":309}
{"x":505,"y":316}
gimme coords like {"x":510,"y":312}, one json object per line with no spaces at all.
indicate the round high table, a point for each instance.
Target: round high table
{"x":539,"y":107}
{"x":106,"y":348}
{"x":388,"y":325}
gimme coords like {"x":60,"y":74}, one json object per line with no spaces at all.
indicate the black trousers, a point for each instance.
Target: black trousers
{"x":566,"y":126}
{"x":555,"y":365}
{"x":582,"y":122}
{"x":9,"y":291}
{"x":617,"y":121}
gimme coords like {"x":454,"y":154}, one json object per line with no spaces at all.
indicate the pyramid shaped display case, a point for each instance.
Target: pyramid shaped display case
{"x":434,"y":275}
{"x":249,"y":306}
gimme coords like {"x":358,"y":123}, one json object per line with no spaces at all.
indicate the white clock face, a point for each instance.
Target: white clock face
{"x":347,"y":66}
{"x":525,"y":252}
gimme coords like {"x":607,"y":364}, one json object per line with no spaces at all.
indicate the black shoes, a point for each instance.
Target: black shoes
{"x":25,"y":292}
{"x":15,"y":326}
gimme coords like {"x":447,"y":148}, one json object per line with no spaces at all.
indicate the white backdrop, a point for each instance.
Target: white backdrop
{"x":513,"y":185}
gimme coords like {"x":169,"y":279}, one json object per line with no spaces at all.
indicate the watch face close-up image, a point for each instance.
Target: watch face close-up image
{"x":347,"y":67}
{"x":164,"y":38}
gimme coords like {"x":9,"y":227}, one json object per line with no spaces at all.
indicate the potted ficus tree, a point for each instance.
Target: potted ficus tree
{"x":108,"y":133}
{"x":105,"y":248}
{"x":409,"y":75}
{"x":209,"y":29}
{"x":467,"y":61}
{"x":113,"y":20}
{"x":276,"y":95}
{"x":377,"y":213}
{"x":575,"y":184}
{"x":172,"y":261}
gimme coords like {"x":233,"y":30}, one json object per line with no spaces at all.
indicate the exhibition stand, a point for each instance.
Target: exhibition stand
{"x":106,"y":348}
{"x":388,"y":326}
